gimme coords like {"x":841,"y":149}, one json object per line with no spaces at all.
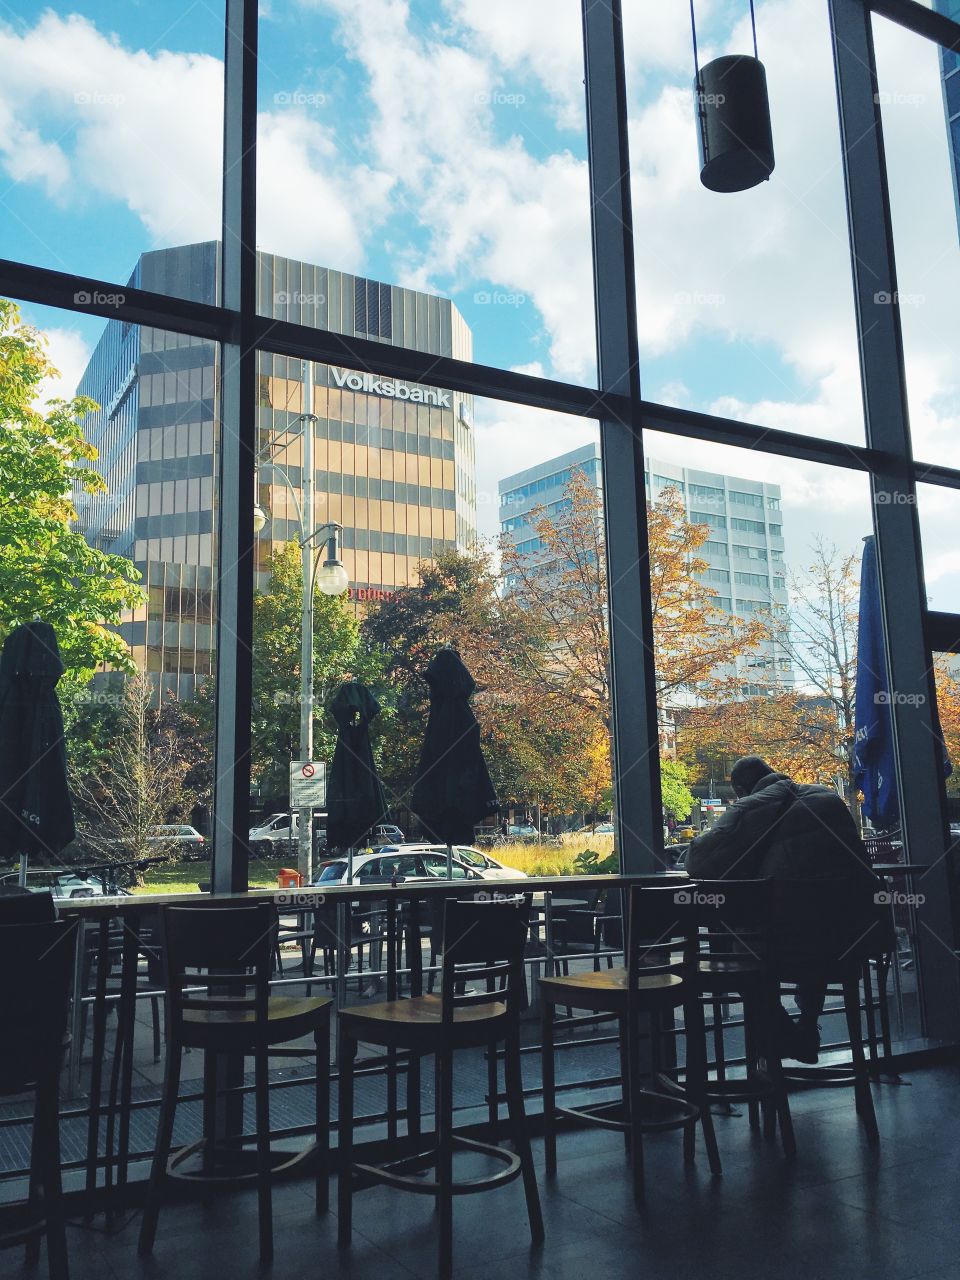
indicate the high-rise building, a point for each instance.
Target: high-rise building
{"x":744,"y":553}
{"x":950,"y":71}
{"x":394,"y":462}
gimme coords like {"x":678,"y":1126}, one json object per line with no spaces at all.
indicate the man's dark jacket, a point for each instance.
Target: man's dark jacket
{"x":782,"y":830}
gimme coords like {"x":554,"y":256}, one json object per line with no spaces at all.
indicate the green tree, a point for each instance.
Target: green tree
{"x":47,"y":568}
{"x":677,"y":796}
{"x":275,"y":713}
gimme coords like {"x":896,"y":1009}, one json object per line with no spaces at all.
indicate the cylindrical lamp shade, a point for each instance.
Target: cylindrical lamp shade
{"x":733,"y":111}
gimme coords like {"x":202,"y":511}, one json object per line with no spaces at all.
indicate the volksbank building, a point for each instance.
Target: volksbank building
{"x":394,"y":461}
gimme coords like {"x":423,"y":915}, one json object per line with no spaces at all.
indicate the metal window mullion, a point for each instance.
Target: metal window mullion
{"x":238,"y":430}
{"x":922,"y":21}
{"x":896,"y":524}
{"x":634,"y":738}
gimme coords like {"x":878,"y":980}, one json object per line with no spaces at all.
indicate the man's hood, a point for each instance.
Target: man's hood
{"x":768,"y":780}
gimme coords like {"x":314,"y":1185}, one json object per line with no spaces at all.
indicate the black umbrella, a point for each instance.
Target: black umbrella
{"x":355,"y":799}
{"x":453,"y":791}
{"x":36,"y":815}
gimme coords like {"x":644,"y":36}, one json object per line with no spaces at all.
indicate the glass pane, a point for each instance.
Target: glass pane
{"x":127,"y":583}
{"x":744,"y":299}
{"x":113,"y":141}
{"x":454,"y":167}
{"x":424,"y":483}
{"x":937,"y":509}
{"x":921,"y":133}
{"x":760,"y":655}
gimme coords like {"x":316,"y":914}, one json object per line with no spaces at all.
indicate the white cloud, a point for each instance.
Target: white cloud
{"x":90,"y":120}
{"x":69,"y":353}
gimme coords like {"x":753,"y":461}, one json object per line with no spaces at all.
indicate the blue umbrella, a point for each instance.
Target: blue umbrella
{"x":874,"y":763}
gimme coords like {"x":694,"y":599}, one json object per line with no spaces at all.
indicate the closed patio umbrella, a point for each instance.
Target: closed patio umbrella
{"x":355,"y":799}
{"x":36,"y":814}
{"x":875,"y":772}
{"x":453,"y":791}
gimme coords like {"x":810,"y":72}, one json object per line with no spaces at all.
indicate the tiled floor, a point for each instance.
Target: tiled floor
{"x":840,"y":1210}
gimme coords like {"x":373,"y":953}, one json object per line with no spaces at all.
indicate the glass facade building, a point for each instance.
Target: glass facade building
{"x":950,"y":67}
{"x":393,"y":460}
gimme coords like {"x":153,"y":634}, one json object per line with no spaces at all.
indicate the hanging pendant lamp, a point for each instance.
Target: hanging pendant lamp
{"x":733,"y":118}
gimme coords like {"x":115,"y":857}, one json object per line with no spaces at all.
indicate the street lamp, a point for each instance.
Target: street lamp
{"x":330,"y":577}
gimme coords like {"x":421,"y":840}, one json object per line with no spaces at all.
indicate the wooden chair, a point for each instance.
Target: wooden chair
{"x":825,"y":931}
{"x":730,"y":957}
{"x":20,"y":906}
{"x":482,"y":943}
{"x":37,"y":961}
{"x":228,"y":953}
{"x":649,"y":985}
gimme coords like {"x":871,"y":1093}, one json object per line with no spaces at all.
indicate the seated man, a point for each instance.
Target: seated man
{"x":781,"y":829}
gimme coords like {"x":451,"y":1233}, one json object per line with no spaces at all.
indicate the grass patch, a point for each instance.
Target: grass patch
{"x":551,"y":859}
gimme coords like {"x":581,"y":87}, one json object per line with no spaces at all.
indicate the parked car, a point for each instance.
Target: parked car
{"x":187,"y":841}
{"x":488,"y":867}
{"x":280,"y":834}
{"x":522,"y":831}
{"x":63,"y":884}
{"x":386,"y":833}
{"x":399,"y":862}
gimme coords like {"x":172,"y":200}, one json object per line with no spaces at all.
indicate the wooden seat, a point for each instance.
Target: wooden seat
{"x":648,"y":986}
{"x":37,"y":960}
{"x":286,"y":1019}
{"x":418,"y":1024}
{"x":483,"y":944}
{"x":219,"y":962}
{"x":605,"y":990}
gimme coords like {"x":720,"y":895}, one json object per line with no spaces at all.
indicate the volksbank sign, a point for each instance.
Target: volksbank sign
{"x":392,"y":388}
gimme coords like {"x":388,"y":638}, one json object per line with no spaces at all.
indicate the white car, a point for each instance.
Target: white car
{"x":488,"y":867}
{"x":396,"y":863}
{"x":187,"y":841}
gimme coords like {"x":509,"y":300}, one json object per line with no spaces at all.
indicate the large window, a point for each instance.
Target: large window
{"x":422,"y":239}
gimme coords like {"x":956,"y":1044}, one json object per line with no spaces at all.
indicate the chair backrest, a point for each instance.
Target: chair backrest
{"x":830,"y":923}
{"x":20,"y":906}
{"x":484,"y":942}
{"x":36,"y":961}
{"x":719,"y":917}
{"x":227,"y":950}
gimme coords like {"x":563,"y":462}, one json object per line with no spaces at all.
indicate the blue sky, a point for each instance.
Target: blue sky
{"x":441,"y":145}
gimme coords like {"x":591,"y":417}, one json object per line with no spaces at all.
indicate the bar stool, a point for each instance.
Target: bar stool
{"x":482,"y":942}
{"x":37,"y":961}
{"x":229,"y":951}
{"x":651,"y":984}
{"x":851,"y":924}
{"x":731,"y":957}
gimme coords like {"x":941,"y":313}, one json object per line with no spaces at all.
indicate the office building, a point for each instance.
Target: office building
{"x":394,"y":461}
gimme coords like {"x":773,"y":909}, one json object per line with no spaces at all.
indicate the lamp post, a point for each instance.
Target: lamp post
{"x":330,"y":578}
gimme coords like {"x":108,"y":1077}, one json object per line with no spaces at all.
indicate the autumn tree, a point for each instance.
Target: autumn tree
{"x":536,"y":744}
{"x":47,"y":568}
{"x":807,"y":731}
{"x":564,"y":585}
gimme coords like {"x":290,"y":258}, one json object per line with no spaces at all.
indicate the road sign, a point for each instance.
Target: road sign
{"x":308,"y":784}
